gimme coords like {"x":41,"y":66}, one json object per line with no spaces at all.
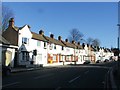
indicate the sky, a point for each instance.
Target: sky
{"x":93,"y":19}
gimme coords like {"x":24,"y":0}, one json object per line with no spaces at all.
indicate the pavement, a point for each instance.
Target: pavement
{"x":116,"y":76}
{"x":23,"y":69}
{"x":112,"y":77}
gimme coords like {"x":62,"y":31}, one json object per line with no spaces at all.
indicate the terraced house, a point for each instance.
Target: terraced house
{"x":31,"y":46}
{"x":36,"y":49}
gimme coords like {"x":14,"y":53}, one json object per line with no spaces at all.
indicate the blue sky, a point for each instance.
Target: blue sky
{"x":93,"y":19}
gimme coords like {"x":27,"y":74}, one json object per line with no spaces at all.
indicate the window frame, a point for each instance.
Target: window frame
{"x":25,"y":40}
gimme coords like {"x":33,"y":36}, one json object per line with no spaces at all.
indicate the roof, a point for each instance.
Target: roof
{"x":91,"y":48}
{"x":3,"y":40}
{"x":69,"y":44}
{"x":55,"y":41}
{"x":107,"y":50}
{"x":19,"y":28}
{"x":79,"y":46}
{"x":38,"y":37}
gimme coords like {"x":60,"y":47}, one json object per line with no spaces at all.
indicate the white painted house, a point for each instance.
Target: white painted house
{"x":32,"y":48}
{"x":55,"y":50}
{"x":80,"y":53}
{"x":28,"y":44}
{"x":40,"y":50}
{"x":70,"y":52}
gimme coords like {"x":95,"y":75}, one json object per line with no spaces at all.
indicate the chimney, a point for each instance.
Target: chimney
{"x":91,"y":46}
{"x":73,"y":42}
{"x":41,"y":32}
{"x":52,"y":36}
{"x":87,"y":45}
{"x":83,"y":45}
{"x":11,"y":22}
{"x":66,"y":40}
{"x":98,"y":48}
{"x":78,"y":43}
{"x":59,"y":38}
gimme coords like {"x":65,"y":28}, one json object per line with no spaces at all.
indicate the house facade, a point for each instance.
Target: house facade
{"x":55,"y":50}
{"x":31,"y":46}
{"x":36,"y":49}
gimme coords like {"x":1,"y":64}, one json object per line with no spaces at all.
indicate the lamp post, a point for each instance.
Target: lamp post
{"x":118,"y":35}
{"x":118,"y":46}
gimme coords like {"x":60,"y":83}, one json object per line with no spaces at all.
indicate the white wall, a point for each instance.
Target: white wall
{"x":9,"y":49}
{"x":32,"y":45}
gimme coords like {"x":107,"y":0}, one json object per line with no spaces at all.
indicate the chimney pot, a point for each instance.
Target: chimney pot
{"x":87,"y":45}
{"x":51,"y":35}
{"x":66,"y":40}
{"x":41,"y":32}
{"x":11,"y":22}
{"x":83,"y":45}
{"x":73,"y":42}
{"x":59,"y":38}
{"x":78,"y":43}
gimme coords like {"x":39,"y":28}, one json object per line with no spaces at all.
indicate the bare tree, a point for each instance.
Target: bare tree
{"x":96,"y":42}
{"x":90,"y":41}
{"x":7,"y":13}
{"x":75,"y":35}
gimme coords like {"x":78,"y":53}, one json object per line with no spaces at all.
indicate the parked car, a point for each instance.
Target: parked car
{"x":98,"y":61}
{"x":6,"y":70}
{"x":87,"y":62}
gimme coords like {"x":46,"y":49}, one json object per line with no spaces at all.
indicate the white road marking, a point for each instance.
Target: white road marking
{"x":10,"y":84}
{"x":74,"y":79}
{"x":43,"y":76}
{"x":86,"y":72}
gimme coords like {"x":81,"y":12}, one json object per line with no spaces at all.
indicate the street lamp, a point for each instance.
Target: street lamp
{"x":118,"y":35}
{"x":118,"y":45}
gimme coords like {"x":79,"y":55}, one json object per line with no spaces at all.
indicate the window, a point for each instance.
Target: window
{"x":25,"y":40}
{"x":62,"y":58}
{"x":45,"y":45}
{"x":62,"y":48}
{"x":38,"y":43}
{"x":51,"y":46}
{"x":25,"y":56}
{"x":54,"y":46}
{"x":68,"y":58}
{"x":54,"y":58}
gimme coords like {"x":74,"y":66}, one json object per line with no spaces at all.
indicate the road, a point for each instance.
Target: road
{"x":71,"y":76}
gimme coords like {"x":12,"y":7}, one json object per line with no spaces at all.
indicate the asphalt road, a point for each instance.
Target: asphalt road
{"x":71,"y":76}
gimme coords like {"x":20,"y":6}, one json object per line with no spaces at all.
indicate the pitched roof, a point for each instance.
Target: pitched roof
{"x":38,"y":37}
{"x":3,"y":40}
{"x":55,"y":41}
{"x":92,"y":48}
{"x":79,"y":46}
{"x":19,"y":28}
{"x":69,"y":44}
